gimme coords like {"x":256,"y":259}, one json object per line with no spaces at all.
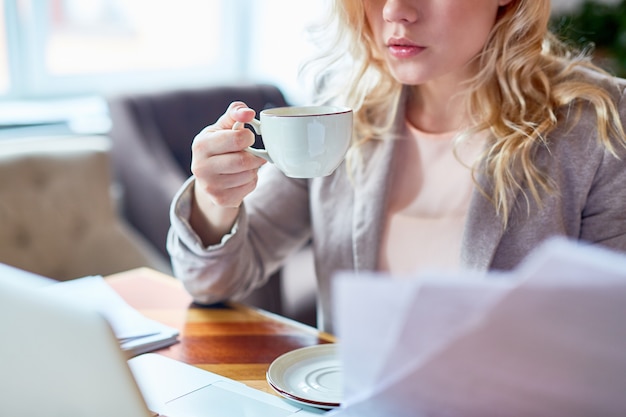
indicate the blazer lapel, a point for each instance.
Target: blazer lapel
{"x":483,"y":231}
{"x":370,"y":199}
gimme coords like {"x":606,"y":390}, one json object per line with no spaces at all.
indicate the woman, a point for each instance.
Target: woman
{"x":477,"y":136}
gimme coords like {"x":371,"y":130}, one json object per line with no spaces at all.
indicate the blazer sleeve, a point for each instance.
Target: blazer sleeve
{"x":272,"y":223}
{"x":604,"y":215}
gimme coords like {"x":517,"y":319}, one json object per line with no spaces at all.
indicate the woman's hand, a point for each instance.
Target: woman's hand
{"x":224,"y":173}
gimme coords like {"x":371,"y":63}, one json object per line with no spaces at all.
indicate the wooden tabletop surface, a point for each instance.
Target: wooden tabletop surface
{"x":232,"y":340}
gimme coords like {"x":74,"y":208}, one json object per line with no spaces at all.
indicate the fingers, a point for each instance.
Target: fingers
{"x":221,"y":136}
{"x":229,"y":190}
{"x":228,"y":178}
{"x":224,"y":150}
{"x":223,"y":169}
{"x":237,"y":112}
{"x":227,"y":170}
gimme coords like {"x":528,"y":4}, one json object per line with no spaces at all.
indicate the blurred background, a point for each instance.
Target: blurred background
{"x":58,"y":57}
{"x":596,"y":24}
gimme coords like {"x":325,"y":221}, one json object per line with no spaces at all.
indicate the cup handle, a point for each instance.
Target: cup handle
{"x":256,"y":126}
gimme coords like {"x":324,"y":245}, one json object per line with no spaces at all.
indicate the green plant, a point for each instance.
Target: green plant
{"x":599,"y":26}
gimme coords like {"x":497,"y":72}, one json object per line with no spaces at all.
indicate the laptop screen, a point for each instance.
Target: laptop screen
{"x":58,"y":358}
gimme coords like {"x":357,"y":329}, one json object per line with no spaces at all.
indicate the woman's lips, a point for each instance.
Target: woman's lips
{"x":402,"y":48}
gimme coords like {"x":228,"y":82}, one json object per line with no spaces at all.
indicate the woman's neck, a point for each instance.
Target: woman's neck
{"x":437,"y":108}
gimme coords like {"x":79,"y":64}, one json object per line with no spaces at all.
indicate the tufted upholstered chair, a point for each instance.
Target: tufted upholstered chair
{"x":57,"y":214}
{"x":152,"y":134}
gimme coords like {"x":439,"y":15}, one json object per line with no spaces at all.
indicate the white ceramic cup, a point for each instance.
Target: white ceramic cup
{"x":304,"y":142}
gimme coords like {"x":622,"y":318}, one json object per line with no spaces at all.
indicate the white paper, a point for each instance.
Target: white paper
{"x":136,"y":332}
{"x":548,"y":339}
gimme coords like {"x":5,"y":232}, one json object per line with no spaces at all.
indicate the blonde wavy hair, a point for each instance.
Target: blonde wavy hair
{"x":525,"y":76}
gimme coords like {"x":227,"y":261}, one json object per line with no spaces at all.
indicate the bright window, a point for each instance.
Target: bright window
{"x":4,"y":56}
{"x":280,"y":46}
{"x":59,"y":48}
{"x":101,"y":36}
{"x":100,"y":46}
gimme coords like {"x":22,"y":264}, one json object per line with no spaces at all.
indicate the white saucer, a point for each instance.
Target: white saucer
{"x":310,"y":375}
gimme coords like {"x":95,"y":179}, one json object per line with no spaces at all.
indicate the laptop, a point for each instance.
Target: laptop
{"x":59,"y":358}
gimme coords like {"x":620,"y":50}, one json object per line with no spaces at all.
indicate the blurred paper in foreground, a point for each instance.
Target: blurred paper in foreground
{"x":547,"y":339}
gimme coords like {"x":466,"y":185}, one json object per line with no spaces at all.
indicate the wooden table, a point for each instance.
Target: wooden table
{"x":232,"y":340}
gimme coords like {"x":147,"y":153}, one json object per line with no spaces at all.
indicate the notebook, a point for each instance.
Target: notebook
{"x":135,"y":332}
{"x":59,"y":358}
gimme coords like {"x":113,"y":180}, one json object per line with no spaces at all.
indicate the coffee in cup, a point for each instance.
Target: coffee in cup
{"x":305,"y":141}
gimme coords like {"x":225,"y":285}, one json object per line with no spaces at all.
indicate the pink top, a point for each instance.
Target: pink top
{"x":428,"y":202}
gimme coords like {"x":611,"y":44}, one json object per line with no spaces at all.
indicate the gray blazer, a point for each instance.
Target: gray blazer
{"x":344,"y":219}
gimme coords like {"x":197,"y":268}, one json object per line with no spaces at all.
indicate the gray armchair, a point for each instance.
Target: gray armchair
{"x":152,"y":134}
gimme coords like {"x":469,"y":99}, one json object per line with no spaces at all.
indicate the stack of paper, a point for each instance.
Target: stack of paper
{"x":548,"y":339}
{"x":137,"y":333}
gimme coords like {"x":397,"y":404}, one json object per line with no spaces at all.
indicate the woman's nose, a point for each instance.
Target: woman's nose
{"x":400,"y":11}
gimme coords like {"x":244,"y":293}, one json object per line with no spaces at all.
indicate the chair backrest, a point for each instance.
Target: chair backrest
{"x":57,"y":214}
{"x":152,"y":134}
{"x":177,"y":116}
